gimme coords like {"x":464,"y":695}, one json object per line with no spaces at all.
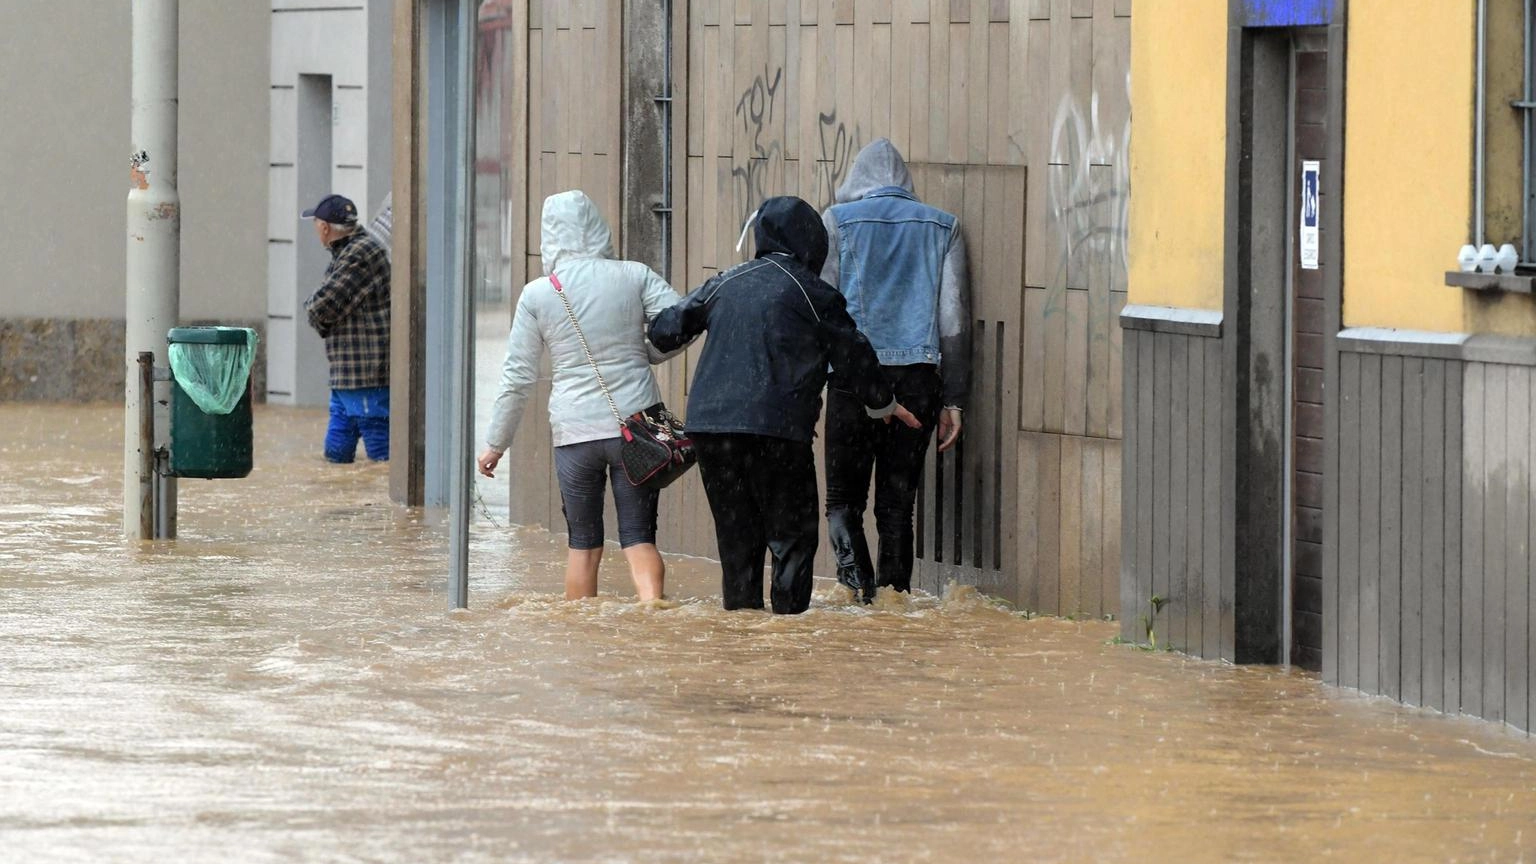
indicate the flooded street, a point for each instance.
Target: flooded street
{"x":282,"y":683}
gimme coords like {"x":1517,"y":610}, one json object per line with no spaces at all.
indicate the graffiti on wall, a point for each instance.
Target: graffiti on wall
{"x":1090,"y":193}
{"x":758,"y":169}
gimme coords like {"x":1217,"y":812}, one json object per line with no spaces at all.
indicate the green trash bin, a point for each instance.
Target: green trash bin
{"x":211,"y":401}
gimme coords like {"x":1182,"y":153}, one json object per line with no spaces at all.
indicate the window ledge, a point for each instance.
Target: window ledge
{"x":1516,"y":284}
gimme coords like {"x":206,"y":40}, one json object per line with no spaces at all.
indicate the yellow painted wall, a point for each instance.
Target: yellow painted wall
{"x":1408,"y":162}
{"x":1178,"y":153}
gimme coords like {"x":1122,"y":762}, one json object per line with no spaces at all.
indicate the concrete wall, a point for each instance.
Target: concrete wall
{"x":64,"y":82}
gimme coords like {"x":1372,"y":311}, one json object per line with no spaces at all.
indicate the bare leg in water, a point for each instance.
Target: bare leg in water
{"x":645,"y":567}
{"x":581,"y":572}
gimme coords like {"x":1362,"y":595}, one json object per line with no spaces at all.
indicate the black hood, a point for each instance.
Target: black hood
{"x":789,"y":225}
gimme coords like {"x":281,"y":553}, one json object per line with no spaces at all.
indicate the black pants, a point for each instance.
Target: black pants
{"x":857,"y":445}
{"x":762,"y":492}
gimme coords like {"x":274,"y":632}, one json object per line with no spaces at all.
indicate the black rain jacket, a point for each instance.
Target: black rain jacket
{"x":774,"y":329}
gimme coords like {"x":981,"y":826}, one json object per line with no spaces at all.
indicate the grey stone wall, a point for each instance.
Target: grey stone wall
{"x":80,"y":359}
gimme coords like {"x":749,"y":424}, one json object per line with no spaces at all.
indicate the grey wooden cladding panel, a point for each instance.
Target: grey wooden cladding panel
{"x":1517,"y":570}
{"x":1348,"y":590}
{"x":1171,"y":509}
{"x":1414,"y":475}
{"x":1177,"y":382}
{"x":1145,"y":468}
{"x":1471,"y":528}
{"x":1495,"y":507}
{"x":1194,"y":506}
{"x":1216,"y":585}
{"x":1370,"y":523}
{"x":1455,"y":449}
{"x":1434,"y":460}
{"x":1128,"y":564}
{"x":1434,"y":534}
{"x":1161,"y":456}
{"x":1389,"y":628}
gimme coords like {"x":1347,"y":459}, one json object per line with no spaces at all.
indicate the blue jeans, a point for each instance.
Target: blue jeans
{"x":361,"y":413}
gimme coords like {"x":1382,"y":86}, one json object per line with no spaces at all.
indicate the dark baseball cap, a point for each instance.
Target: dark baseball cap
{"x":335,"y":209}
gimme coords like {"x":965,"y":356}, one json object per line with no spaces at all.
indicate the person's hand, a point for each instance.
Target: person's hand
{"x":949,"y":428}
{"x":488,"y":461}
{"x":905,"y":416}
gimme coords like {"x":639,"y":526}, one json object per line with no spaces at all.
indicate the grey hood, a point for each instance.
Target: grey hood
{"x":571,"y":229}
{"x":877,"y":166}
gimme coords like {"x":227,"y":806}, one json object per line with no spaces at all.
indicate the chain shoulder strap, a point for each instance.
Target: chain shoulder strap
{"x":587,"y":349}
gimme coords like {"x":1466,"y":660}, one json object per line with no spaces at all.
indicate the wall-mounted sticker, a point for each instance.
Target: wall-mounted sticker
{"x":1309,"y":215}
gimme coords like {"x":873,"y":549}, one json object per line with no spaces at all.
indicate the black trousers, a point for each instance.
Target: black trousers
{"x":762,"y":493}
{"x":857,"y":445}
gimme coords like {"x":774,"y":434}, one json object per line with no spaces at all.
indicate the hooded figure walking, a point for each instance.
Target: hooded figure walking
{"x":901,"y":266}
{"x":774,"y":329}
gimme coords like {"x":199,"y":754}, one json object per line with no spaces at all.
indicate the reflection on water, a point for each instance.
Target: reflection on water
{"x":282,"y":683}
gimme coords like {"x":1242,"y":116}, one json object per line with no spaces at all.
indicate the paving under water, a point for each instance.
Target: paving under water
{"x":283,"y":682}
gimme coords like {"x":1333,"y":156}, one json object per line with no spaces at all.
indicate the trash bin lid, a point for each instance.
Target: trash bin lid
{"x":208,"y":335}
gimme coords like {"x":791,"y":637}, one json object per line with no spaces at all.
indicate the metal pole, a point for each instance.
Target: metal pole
{"x":146,"y":433}
{"x":154,"y":237}
{"x":666,"y":146}
{"x":1480,"y":182}
{"x":1528,"y":116}
{"x":461,"y":438}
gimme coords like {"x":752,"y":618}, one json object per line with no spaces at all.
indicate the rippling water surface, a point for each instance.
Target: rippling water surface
{"x":282,"y":683}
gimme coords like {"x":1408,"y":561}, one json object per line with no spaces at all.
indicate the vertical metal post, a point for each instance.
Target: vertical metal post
{"x":1528,"y":118}
{"x":665,"y":101}
{"x":460,"y":33}
{"x":1480,"y":168}
{"x":146,"y":456}
{"x":154,"y":237}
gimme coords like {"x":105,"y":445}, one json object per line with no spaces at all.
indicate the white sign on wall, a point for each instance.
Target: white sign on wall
{"x":1310,"y":172}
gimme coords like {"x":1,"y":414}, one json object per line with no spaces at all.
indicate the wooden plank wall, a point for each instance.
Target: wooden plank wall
{"x":1172,"y":496}
{"x":573,"y":78}
{"x":1013,"y":114}
{"x":1433,"y":601}
{"x":975,"y":93}
{"x":1496,"y":601}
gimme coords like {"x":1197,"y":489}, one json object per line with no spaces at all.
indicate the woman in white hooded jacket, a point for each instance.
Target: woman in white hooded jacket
{"x":613,"y":301}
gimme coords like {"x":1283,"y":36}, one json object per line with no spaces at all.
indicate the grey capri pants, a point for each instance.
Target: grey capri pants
{"x":582,"y":469}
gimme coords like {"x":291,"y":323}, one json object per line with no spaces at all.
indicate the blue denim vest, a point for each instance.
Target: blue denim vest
{"x":891,"y":251}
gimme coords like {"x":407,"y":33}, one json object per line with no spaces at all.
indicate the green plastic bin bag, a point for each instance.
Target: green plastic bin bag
{"x":213,"y":364}
{"x":211,"y":435}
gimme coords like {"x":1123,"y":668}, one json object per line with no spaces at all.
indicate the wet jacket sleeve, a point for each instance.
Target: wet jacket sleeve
{"x":674,"y":327}
{"x":339,"y":294}
{"x":518,"y":373}
{"x":855,"y":368}
{"x":657,"y":297}
{"x":831,"y":268}
{"x":955,"y":323}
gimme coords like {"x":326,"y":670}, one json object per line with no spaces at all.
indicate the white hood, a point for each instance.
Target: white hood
{"x":571,"y":229}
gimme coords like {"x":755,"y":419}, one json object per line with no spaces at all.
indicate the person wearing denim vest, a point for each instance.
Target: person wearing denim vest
{"x":901,"y":266}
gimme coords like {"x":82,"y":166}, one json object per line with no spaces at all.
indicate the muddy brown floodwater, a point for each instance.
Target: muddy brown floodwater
{"x":282,"y":683}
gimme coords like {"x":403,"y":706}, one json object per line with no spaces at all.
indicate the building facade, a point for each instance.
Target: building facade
{"x":1328,"y":441}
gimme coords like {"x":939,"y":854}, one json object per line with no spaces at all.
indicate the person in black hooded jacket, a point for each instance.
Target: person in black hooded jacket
{"x":774,"y":329}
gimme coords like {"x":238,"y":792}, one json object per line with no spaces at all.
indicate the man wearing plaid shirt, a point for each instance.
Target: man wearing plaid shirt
{"x":350,"y":311}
